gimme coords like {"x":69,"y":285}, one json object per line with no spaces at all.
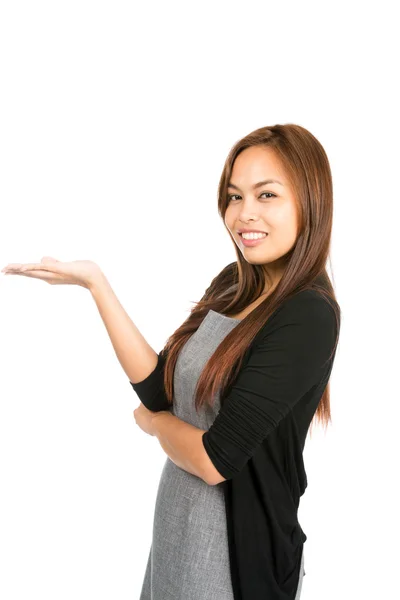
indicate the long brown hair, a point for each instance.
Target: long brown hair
{"x":241,"y":283}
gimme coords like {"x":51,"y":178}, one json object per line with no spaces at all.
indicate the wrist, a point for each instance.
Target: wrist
{"x":97,"y":282}
{"x":155,"y":423}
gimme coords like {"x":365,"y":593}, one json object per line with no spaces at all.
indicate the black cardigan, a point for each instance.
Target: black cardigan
{"x":257,"y":439}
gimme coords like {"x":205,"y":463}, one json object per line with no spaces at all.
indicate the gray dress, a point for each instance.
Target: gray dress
{"x":189,"y":558}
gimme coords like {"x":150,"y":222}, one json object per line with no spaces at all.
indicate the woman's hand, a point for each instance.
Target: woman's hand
{"x":55,"y":272}
{"x":145,"y":418}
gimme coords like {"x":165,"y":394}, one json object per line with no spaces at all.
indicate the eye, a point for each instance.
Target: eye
{"x":231,"y":196}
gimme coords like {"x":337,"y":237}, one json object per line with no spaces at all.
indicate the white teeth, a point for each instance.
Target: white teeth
{"x":253,"y":236}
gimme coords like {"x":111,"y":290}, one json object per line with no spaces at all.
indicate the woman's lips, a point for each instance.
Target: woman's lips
{"x":250,"y":243}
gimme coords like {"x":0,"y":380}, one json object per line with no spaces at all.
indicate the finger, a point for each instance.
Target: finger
{"x":45,"y":275}
{"x":52,"y":268}
{"x":36,"y":267}
{"x":31,"y":266}
{"x":12,"y":267}
{"x":17,"y":267}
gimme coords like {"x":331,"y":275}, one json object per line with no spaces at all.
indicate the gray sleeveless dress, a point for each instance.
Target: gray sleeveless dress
{"x":189,"y":558}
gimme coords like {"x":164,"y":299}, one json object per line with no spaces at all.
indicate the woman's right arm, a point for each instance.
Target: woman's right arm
{"x":142,"y":365}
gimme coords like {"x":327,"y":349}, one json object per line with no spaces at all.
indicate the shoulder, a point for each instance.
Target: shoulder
{"x":306,"y":311}
{"x":310,"y":304}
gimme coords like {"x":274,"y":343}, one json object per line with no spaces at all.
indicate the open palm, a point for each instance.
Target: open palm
{"x":56,"y":272}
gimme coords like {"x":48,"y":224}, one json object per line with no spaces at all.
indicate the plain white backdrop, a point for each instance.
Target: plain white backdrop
{"x":116,"y":119}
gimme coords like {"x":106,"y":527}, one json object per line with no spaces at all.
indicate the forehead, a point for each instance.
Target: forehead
{"x":257,"y":164}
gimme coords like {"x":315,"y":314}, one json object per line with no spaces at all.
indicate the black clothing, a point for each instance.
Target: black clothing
{"x":257,"y":439}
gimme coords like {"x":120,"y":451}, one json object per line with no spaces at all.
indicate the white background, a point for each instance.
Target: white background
{"x":116,"y":119}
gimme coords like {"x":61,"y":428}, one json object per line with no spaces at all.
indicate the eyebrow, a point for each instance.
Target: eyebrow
{"x":256,"y":185}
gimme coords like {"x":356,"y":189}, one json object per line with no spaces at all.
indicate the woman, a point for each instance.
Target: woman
{"x":232,"y":394}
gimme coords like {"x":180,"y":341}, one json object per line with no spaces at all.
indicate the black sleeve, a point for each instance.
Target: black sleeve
{"x":151,"y":391}
{"x":289,"y":359}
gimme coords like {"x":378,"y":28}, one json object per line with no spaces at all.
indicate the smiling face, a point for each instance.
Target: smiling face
{"x":270,"y":208}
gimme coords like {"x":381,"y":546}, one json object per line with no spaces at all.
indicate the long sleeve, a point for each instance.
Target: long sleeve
{"x":288,"y":361}
{"x":151,"y":391}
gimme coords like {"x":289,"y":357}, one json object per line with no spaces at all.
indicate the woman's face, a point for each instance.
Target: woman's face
{"x":270,"y":207}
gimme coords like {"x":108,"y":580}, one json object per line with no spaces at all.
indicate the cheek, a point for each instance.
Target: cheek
{"x":284,"y":219}
{"x":229,"y":218}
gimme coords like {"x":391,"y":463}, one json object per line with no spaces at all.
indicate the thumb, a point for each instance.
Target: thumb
{"x":48,"y":259}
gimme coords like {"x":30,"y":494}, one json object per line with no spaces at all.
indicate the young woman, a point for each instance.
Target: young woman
{"x":233,"y":393}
